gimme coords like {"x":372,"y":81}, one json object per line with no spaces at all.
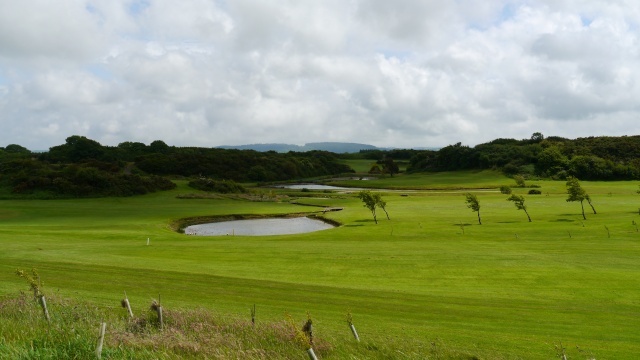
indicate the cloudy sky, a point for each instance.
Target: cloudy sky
{"x":402,"y":73}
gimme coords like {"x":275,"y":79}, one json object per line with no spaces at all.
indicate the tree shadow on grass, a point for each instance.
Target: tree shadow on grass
{"x":353,"y":225}
{"x":562,"y":220}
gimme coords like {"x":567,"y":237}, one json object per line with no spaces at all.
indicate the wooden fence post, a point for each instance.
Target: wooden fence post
{"x":103,"y":328}
{"x":125,"y":304}
{"x":43,"y":303}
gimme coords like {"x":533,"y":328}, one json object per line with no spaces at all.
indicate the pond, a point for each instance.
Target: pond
{"x":259,"y":227}
{"x":313,"y":187}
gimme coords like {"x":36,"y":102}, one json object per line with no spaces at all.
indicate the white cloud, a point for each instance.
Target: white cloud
{"x":405,"y":73}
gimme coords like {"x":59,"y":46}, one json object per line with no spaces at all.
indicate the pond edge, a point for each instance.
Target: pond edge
{"x":180,"y":224}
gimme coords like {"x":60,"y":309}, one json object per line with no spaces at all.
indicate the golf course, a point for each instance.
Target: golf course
{"x":428,"y":283}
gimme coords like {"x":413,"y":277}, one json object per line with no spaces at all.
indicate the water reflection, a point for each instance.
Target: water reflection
{"x":258,"y":227}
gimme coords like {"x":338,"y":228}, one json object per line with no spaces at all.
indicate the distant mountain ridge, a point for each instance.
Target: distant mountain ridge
{"x":334,"y":147}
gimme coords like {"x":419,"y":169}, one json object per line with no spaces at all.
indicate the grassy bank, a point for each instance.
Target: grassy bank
{"x":429,"y":278}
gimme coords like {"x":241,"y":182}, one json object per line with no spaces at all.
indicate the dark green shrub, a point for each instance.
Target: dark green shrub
{"x":218,"y":186}
{"x":535,"y":192}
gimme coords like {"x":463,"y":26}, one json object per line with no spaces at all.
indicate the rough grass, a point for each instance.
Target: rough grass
{"x":187,"y":334}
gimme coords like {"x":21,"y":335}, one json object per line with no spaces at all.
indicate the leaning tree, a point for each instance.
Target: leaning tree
{"x":518,"y":201}
{"x":576,"y":193}
{"x":372,"y":201}
{"x":381,"y":203}
{"x":473,"y":204}
{"x":369,"y":201}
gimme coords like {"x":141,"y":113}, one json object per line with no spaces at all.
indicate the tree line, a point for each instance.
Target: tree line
{"x":591,"y":158}
{"x":83,"y":167}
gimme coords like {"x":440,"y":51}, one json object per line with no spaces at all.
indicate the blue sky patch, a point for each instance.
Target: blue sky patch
{"x":100,"y":71}
{"x":137,"y":7}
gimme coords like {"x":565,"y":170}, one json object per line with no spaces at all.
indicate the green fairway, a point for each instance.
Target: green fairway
{"x":430,"y":276}
{"x":472,"y":179}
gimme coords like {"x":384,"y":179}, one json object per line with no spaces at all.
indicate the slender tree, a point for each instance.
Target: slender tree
{"x":473,"y":204}
{"x":576,"y":193}
{"x":369,"y":202}
{"x":518,"y":200}
{"x":381,"y":204}
{"x":588,"y":198}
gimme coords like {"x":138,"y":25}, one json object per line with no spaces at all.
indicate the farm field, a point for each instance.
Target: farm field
{"x":429,"y":277}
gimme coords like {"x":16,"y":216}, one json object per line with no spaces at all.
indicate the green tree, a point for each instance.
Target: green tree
{"x":389,"y":166}
{"x":576,"y":193}
{"x":15,"y":148}
{"x":518,"y":201}
{"x":551,"y":161}
{"x":537,"y":137}
{"x":381,"y":204}
{"x":159,"y":146}
{"x":375,"y":169}
{"x":369,"y":202}
{"x":520,"y":181}
{"x":504,"y":189}
{"x":473,"y":204}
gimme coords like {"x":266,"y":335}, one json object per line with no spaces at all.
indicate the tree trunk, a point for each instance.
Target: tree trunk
{"x":582,"y":204}
{"x":528,"y":217}
{"x":592,"y":208}
{"x":479,"y":221}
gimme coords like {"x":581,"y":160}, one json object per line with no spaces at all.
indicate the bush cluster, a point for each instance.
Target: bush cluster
{"x":218,"y":186}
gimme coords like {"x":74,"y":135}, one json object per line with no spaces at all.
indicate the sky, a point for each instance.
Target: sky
{"x":402,"y":73}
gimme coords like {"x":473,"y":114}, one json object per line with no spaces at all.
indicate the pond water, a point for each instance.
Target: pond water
{"x":313,"y":187}
{"x":259,"y":227}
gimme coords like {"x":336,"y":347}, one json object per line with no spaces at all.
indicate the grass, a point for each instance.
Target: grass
{"x":416,"y":285}
{"x":470,"y":179}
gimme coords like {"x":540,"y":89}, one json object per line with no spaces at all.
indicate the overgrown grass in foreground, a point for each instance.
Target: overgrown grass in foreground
{"x":187,"y":334}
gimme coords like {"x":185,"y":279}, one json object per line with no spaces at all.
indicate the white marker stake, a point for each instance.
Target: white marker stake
{"x":147,"y":241}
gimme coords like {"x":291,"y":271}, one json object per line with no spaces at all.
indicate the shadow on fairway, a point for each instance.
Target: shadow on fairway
{"x":562,"y":220}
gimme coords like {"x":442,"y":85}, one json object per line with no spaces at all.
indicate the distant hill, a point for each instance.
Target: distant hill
{"x":334,"y":147}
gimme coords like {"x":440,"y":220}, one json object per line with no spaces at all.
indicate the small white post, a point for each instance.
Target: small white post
{"x":147,"y":241}
{"x":103,"y":328}
{"x":355,"y":333}
{"x":125,"y":303}
{"x":159,"y":310}
{"x":160,"y":319}
{"x":43,"y":303}
{"x":312,"y":355}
